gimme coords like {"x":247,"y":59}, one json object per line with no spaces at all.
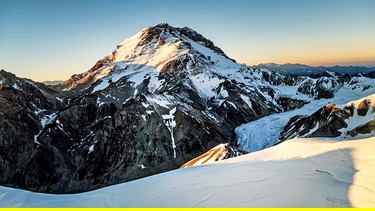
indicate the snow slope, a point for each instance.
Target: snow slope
{"x":295,"y":173}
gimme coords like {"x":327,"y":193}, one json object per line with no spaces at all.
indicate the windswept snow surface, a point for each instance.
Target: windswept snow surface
{"x":295,"y":173}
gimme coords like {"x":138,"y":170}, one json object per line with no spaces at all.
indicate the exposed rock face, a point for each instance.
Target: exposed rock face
{"x":290,"y":104}
{"x":363,"y":107}
{"x":331,"y":121}
{"x":292,"y":80}
{"x":23,"y":103}
{"x":322,"y":88}
{"x":366,"y":128}
{"x":323,"y":123}
{"x":116,"y":145}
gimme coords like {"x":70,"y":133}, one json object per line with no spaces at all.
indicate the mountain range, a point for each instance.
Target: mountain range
{"x":305,"y":70}
{"x":162,"y":98}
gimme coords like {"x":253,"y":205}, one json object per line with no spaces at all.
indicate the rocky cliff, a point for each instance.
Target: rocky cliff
{"x":332,"y":121}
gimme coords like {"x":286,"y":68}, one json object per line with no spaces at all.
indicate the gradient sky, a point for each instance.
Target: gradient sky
{"x":53,"y":39}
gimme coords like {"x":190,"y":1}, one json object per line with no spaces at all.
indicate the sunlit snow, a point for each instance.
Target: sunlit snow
{"x":296,"y":173}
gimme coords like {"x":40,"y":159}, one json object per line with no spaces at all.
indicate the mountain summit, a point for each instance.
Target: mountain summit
{"x":160,"y":48}
{"x":170,"y":40}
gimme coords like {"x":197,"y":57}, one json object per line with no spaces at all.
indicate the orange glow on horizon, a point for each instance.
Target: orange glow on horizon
{"x":312,"y":59}
{"x":314,"y":62}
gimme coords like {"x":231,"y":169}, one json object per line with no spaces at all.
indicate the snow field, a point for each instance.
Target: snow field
{"x":296,"y":173}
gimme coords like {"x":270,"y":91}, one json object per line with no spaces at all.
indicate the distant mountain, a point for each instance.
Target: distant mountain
{"x":163,"y":97}
{"x":305,"y":70}
{"x":52,"y":82}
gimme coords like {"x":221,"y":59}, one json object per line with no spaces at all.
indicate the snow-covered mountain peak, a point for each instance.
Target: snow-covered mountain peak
{"x":160,"y":44}
{"x":159,"y":48}
{"x":154,"y":47}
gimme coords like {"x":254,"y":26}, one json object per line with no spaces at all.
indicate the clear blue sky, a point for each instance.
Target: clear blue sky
{"x":53,"y":39}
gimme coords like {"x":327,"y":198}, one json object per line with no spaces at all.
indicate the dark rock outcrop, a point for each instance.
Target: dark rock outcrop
{"x":363,"y":107}
{"x":330,"y":121}
{"x":366,"y":128}
{"x":290,"y":104}
{"x":326,"y":122}
{"x":23,"y":104}
{"x":322,"y":88}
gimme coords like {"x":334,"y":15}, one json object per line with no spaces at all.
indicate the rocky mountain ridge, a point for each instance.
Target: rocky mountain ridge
{"x":312,"y":71}
{"x":333,"y":121}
